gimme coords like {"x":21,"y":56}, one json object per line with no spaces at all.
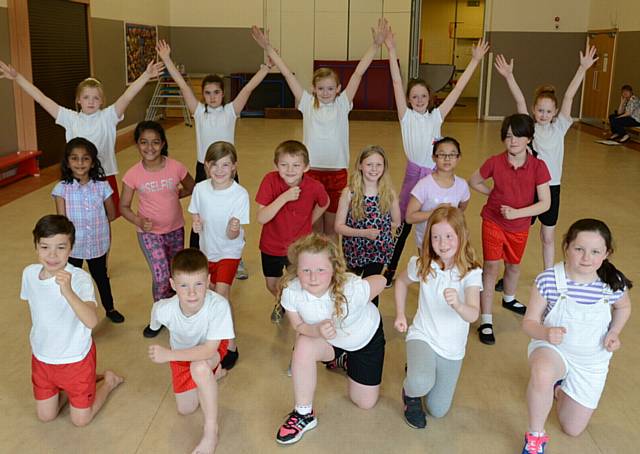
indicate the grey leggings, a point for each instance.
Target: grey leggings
{"x":432,"y":375}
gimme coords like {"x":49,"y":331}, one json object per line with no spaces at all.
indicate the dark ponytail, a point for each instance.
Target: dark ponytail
{"x":607,"y":273}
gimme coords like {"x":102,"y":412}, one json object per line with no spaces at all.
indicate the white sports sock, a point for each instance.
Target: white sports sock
{"x":486,"y":318}
{"x":511,"y":298}
{"x":304,"y":409}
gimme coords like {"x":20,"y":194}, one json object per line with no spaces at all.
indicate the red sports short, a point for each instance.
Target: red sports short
{"x":181,"y":371}
{"x":498,"y":244}
{"x":77,"y":379}
{"x":223,"y":271}
{"x":334,"y":181}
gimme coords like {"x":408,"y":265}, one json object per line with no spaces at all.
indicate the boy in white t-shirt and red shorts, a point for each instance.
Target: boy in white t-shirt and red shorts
{"x":200,"y":324}
{"x":63,"y":312}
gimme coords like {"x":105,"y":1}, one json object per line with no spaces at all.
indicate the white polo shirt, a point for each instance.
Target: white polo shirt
{"x":548,"y":141}
{"x":214,"y":124}
{"x":419,"y":131}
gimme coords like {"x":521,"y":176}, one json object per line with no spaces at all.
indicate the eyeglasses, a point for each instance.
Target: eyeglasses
{"x":447,"y":156}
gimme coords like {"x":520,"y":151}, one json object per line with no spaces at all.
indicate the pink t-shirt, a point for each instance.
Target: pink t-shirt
{"x":158,"y":194}
{"x":430,"y":195}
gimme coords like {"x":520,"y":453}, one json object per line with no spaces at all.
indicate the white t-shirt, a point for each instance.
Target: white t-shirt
{"x":217,"y":123}
{"x":57,"y":334}
{"x":430,"y":195}
{"x":419,"y":131}
{"x":436,"y":323}
{"x":212,"y":322}
{"x":215,"y":208}
{"x":548,"y":141}
{"x":99,"y":128}
{"x":353,"y":331}
{"x":326,"y":131}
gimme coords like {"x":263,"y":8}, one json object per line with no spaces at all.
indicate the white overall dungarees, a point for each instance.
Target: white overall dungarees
{"x":582,"y":349}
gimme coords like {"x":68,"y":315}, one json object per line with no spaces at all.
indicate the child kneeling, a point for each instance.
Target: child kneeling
{"x":200,"y":324}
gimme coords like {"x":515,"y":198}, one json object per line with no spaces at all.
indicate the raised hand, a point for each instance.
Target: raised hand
{"x":7,"y":71}
{"x":260,"y":37}
{"x":390,"y":39}
{"x":380,"y":32}
{"x":163,"y":49}
{"x":589,"y":57}
{"x":154,"y":69}
{"x":479,"y":50}
{"x":505,"y":69}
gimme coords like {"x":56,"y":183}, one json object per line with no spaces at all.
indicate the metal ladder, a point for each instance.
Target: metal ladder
{"x":167,"y":95}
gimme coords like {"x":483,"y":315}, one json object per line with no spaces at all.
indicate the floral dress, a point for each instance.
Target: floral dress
{"x":360,"y":251}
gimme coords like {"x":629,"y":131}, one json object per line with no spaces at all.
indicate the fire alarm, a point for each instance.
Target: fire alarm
{"x":557,"y":22}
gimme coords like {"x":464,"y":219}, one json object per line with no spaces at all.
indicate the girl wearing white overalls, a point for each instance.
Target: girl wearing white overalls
{"x":575,"y":315}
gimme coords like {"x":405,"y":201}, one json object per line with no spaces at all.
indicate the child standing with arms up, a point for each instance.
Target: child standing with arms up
{"x":517,"y":177}
{"x":325,"y":119}
{"x":442,"y":187}
{"x":576,"y":313}
{"x":332,"y":313}
{"x":551,"y":126}
{"x":220,"y":207}
{"x":368,"y":214}
{"x":199,"y":322}
{"x":450,"y":280}
{"x":86,"y":199}
{"x":160,"y":183}
{"x":289,"y":202}
{"x":91,"y":122}
{"x":63,"y":312}
{"x":420,"y":125}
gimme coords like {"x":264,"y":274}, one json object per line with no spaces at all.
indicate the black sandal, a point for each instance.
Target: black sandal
{"x":488,"y":339}
{"x":515,"y":306}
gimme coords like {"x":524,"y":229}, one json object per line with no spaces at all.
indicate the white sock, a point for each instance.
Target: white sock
{"x":511,"y":298}
{"x":486,"y":318}
{"x":537,"y":434}
{"x":304,"y":409}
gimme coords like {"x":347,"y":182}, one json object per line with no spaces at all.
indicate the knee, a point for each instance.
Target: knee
{"x":46,"y":416}
{"x":365,"y":402}
{"x":419,"y":385}
{"x":438,"y":412}
{"x":186,"y":409}
{"x":200,"y":371}
{"x":572,"y":429}
{"x":81,"y":420}
{"x":541,"y":376}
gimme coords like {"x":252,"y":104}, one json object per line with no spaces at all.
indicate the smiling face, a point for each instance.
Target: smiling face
{"x":372,"y":168}
{"x":291,"y":168}
{"x":585,"y":255}
{"x":315,"y":272}
{"x":419,"y":98}
{"x":191,"y":289}
{"x":544,"y":110}
{"x":53,"y":253}
{"x":90,"y":100}
{"x":444,"y":242}
{"x":150,"y":146}
{"x":80,"y":162}
{"x":326,"y":90}
{"x":221,"y":172}
{"x":515,"y":145}
{"x":213,"y":94}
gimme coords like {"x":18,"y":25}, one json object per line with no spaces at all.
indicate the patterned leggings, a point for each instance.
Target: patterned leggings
{"x":159,"y":249}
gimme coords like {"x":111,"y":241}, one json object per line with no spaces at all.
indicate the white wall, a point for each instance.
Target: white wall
{"x":149,"y":12}
{"x":215,"y":13}
{"x":621,"y":14}
{"x":537,"y":16}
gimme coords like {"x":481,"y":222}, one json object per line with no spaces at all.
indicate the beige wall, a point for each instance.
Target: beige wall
{"x":537,"y":16}
{"x":215,"y":13}
{"x":621,"y":14}
{"x":152,"y":12}
{"x":8,"y":134}
{"x":3,"y":3}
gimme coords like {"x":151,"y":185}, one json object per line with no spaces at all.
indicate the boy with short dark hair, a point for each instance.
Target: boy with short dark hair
{"x":200,"y":324}
{"x":63,"y":312}
{"x":289,"y":203}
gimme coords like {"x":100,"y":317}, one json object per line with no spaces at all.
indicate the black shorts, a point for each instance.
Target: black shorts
{"x":364,"y":366}
{"x":273,"y":265}
{"x":550,"y":217}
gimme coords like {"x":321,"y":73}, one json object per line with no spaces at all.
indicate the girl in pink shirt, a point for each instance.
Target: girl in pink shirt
{"x":160,"y":182}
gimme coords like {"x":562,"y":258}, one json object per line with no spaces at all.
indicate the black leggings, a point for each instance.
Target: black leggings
{"x":397,"y":251}
{"x":370,"y":269}
{"x":98,"y":271}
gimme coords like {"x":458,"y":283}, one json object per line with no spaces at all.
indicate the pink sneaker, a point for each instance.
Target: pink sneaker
{"x":534,"y":444}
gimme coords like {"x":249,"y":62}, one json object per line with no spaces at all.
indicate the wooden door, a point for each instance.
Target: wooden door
{"x":597,"y":83}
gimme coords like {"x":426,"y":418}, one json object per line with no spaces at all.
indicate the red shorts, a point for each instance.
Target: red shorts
{"x":181,"y":371}
{"x":77,"y":379}
{"x":334,"y":181}
{"x":223,"y":271}
{"x":111,"y":179}
{"x":498,"y":244}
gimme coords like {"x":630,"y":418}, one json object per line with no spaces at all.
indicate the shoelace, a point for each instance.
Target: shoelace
{"x":534,"y":443}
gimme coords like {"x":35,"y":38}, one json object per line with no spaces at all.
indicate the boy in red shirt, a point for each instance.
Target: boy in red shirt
{"x":288,"y":204}
{"x":506,"y":217}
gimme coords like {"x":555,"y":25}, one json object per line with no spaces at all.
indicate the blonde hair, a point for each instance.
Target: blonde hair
{"x":221,"y":149}
{"x":316,"y":244}
{"x":318,"y":75}
{"x":465,"y":258}
{"x":292,"y":148}
{"x":356,"y":185}
{"x":89,"y":82}
{"x":545,"y":92}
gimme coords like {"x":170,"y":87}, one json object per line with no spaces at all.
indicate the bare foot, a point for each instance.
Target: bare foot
{"x":207,"y":445}
{"x":111,"y":380}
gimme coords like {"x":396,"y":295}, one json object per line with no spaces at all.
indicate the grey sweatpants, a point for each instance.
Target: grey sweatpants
{"x":432,"y":375}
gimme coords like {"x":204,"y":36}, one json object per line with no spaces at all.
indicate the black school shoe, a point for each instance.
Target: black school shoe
{"x":115,"y":316}
{"x":499,"y":285}
{"x":515,"y":306}
{"x":230,"y":359}
{"x":149,"y":333}
{"x":414,"y":414}
{"x":486,"y":338}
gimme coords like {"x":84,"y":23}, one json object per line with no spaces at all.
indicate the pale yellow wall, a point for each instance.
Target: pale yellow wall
{"x":621,"y":14}
{"x":3,"y":3}
{"x":537,"y":16}
{"x":151,"y":12}
{"x":215,"y":13}
{"x":330,"y":29}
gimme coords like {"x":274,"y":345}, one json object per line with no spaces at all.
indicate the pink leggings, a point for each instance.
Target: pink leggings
{"x":159,"y":249}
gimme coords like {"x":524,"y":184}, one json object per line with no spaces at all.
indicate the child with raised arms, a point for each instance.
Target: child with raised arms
{"x":576,"y":313}
{"x":63,"y":313}
{"x":442,"y":187}
{"x":86,"y":199}
{"x":160,"y":183}
{"x":199,"y":322}
{"x":91,"y":121}
{"x":551,"y":126}
{"x":420,"y":124}
{"x":368,"y":214}
{"x":506,"y":217}
{"x":325,"y":119}
{"x":332,"y":314}
{"x":219,"y":207}
{"x":450,"y":281}
{"x":289,"y":202}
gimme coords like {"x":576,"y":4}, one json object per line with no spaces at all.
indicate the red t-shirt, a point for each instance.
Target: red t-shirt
{"x":512,"y":187}
{"x":294,"y":218}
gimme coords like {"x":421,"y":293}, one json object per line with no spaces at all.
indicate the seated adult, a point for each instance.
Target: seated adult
{"x":627,"y":115}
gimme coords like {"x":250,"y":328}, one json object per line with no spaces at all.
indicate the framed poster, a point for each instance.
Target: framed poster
{"x":140,"y":48}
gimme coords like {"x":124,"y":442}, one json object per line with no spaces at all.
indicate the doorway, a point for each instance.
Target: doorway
{"x":598,"y":79}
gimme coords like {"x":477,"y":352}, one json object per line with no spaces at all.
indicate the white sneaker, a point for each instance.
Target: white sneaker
{"x":241,"y":272}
